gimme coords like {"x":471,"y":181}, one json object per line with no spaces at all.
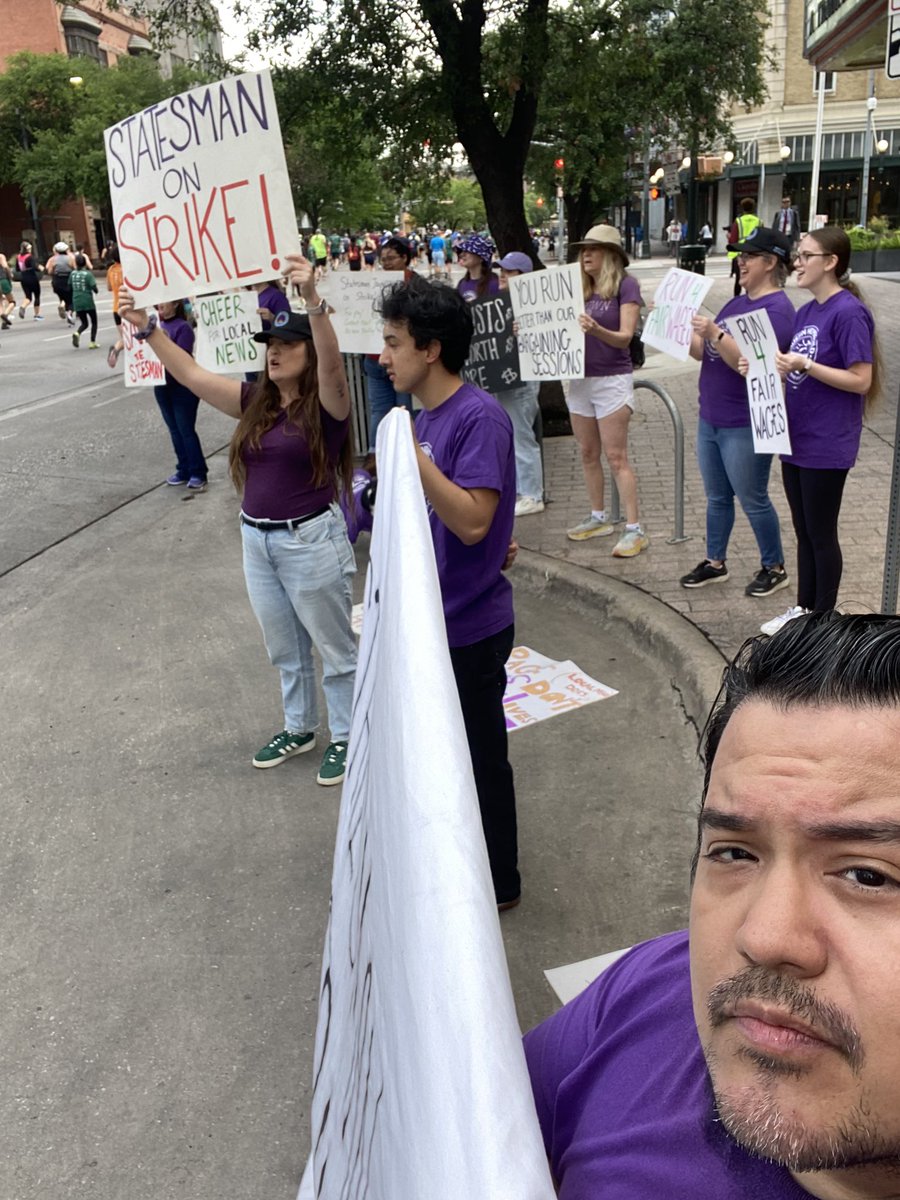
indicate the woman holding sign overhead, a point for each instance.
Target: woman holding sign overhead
{"x":728,"y":463}
{"x":290,"y":454}
{"x":601,"y":404}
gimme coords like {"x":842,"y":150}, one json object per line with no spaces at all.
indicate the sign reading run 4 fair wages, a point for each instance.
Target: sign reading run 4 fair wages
{"x":200,"y":191}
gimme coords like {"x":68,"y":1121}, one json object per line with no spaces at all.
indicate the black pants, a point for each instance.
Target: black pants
{"x":480,"y":672}
{"x":83,"y":322}
{"x":815,"y":499}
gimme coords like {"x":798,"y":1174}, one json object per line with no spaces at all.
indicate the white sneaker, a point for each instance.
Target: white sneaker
{"x":526,"y":505}
{"x":631,"y":543}
{"x":770,"y":628}
{"x":588,"y":528}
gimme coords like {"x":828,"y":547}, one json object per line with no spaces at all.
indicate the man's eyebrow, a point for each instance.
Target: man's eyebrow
{"x":827,"y":831}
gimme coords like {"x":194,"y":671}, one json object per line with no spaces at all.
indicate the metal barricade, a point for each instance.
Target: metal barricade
{"x":359,"y":408}
{"x":678,"y":428}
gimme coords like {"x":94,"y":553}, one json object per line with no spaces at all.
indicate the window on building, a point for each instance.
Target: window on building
{"x":830,"y":82}
{"x":81,"y":43}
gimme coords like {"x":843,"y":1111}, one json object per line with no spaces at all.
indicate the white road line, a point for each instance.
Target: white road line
{"x":59,"y":337}
{"x":24,"y":409}
{"x":114,"y":400}
{"x":6,"y":436}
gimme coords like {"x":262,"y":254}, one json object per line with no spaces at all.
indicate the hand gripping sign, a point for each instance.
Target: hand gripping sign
{"x":200,"y":191}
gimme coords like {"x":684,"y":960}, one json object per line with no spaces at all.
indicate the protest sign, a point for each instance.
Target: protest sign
{"x":676,"y":303}
{"x":493,"y":362}
{"x":420,"y":1082}
{"x":142,"y":367}
{"x":546,"y":306}
{"x":538,"y":688}
{"x":355,"y":298}
{"x":226,"y":324}
{"x":200,"y":192}
{"x":757,"y":343}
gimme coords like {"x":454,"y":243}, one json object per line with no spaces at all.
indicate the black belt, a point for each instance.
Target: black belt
{"x":273,"y":526}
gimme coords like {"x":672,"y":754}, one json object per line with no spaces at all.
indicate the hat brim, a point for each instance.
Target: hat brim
{"x":282,"y":335}
{"x":753,"y":248}
{"x":603,"y":246}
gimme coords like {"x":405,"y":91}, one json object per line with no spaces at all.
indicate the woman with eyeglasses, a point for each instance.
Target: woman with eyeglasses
{"x":831,"y":374}
{"x":728,"y":464}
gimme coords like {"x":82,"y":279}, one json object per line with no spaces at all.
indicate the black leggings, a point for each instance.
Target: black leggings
{"x":83,"y":322}
{"x":815,"y":499}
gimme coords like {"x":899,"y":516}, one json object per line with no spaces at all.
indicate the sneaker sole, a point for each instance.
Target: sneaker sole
{"x":330,"y":782}
{"x":630,"y":553}
{"x":276,"y":762}
{"x":591,"y":533}
{"x":703,"y":582}
{"x":782,"y":583}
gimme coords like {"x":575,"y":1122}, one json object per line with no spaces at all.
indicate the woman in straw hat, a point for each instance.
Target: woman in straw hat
{"x":601,"y":404}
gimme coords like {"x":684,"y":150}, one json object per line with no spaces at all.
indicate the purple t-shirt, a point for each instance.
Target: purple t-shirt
{"x":274,"y":299}
{"x":279,"y":474}
{"x":623,"y":1095}
{"x":826,"y":423}
{"x":600,"y":359}
{"x":723,"y":392}
{"x":178,"y":330}
{"x":469,"y":437}
{"x":468,"y":288}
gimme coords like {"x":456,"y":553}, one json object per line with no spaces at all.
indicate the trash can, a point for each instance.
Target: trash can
{"x":692,"y":258}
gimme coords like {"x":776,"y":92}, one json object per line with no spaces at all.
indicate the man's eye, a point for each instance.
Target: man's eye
{"x":870,"y":879}
{"x":728,"y":854}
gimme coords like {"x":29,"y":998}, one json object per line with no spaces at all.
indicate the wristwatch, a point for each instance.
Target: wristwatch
{"x":722,"y":333}
{"x":319,"y":310}
{"x":141,"y":335}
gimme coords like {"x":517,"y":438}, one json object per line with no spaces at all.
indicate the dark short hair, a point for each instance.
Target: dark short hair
{"x":748,"y":204}
{"x":432,"y":312}
{"x":399,"y":245}
{"x":80,"y":261}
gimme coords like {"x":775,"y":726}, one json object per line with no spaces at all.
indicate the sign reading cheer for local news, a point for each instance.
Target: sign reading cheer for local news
{"x":226,"y":324}
{"x":493,"y":362}
{"x":756,"y":340}
{"x":355,"y":298}
{"x":676,"y":303}
{"x":547,"y":305}
{"x":142,"y":367}
{"x":200,"y":191}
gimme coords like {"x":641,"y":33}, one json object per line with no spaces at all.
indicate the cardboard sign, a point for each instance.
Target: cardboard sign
{"x":538,"y":688}
{"x":226,"y":323}
{"x":756,"y":340}
{"x":200,"y":191}
{"x":676,"y":303}
{"x":141,"y":366}
{"x":421,"y":1087}
{"x":547,"y":305}
{"x":493,"y":362}
{"x":355,"y":298}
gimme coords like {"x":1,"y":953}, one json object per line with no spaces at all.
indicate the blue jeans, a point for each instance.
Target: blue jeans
{"x":730,"y":468}
{"x":521,"y":403}
{"x":179,"y":411}
{"x":298,"y":582}
{"x":382,"y":397}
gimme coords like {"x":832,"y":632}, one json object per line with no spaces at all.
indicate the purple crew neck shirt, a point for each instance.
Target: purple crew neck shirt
{"x":826,"y":423}
{"x":179,"y":331}
{"x":468,"y":288}
{"x":723,"y":392}
{"x":279,"y":474}
{"x":623,"y":1095}
{"x":469,"y":437}
{"x":600,"y":359}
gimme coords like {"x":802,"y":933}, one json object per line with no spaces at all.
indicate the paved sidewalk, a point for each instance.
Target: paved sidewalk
{"x":722,"y":611}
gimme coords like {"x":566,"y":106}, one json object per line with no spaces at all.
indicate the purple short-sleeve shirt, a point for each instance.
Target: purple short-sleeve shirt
{"x":600,"y":359}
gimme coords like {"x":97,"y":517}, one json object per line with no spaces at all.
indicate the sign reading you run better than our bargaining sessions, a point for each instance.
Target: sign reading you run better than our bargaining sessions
{"x":546,"y":306}
{"x":200,"y":191}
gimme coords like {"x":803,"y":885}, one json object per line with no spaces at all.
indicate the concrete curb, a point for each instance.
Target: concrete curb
{"x":695,"y":662}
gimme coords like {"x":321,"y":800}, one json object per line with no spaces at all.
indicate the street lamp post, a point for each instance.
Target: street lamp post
{"x":871,"y":105}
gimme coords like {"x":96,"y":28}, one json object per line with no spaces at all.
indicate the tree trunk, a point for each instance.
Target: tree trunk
{"x":580,"y":213}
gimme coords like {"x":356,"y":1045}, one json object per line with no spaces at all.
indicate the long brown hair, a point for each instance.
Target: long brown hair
{"x":264,"y":409}
{"x":834,"y":240}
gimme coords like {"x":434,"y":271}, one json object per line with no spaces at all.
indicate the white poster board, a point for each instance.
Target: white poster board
{"x":420,"y":1082}
{"x":141,"y":366}
{"x":200,"y":191}
{"x":546,"y":306}
{"x":756,"y":341}
{"x":676,"y":303}
{"x":537,"y":687}
{"x":355,"y":297}
{"x":226,"y":323}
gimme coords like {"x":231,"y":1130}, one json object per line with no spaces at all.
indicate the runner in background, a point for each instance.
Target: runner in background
{"x":84,"y":288}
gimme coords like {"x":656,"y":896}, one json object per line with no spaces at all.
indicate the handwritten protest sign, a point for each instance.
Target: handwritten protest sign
{"x":418,"y":1044}
{"x":355,"y":298}
{"x":226,"y":324}
{"x":547,"y":305}
{"x":757,"y":342}
{"x":142,"y":367}
{"x":200,"y":190}
{"x":493,"y":362}
{"x":538,"y":688}
{"x":677,"y":300}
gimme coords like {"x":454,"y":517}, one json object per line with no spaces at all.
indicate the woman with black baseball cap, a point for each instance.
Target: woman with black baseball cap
{"x":290,"y":454}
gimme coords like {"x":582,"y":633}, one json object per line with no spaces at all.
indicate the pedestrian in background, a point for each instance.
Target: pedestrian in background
{"x":7,"y":304}
{"x":673,"y":234}
{"x":476,"y":255}
{"x":60,"y":266}
{"x":744,"y":224}
{"x":178,"y":404}
{"x":114,"y":277}
{"x":787,"y":221}
{"x":521,"y":405}
{"x":382,"y":396}
{"x":83,"y":286}
{"x":30,"y":270}
{"x":601,"y":404}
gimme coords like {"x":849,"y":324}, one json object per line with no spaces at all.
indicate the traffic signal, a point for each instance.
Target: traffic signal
{"x":540,"y":202}
{"x":654,"y":193}
{"x":559,"y":163}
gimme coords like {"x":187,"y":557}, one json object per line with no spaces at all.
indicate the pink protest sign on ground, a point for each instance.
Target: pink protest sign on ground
{"x":200,"y":191}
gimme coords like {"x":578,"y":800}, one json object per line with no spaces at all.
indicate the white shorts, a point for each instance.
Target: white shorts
{"x":600,"y":395}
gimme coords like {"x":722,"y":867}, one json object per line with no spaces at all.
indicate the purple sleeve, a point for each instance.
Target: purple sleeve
{"x":278,"y":302}
{"x":553,"y":1051}
{"x":783,"y":318}
{"x":853,"y":336}
{"x":182,"y":335}
{"x":482,"y":450}
{"x":630,"y":291}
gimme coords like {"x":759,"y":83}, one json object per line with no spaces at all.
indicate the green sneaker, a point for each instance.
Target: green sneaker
{"x":283,"y":745}
{"x":334,"y":765}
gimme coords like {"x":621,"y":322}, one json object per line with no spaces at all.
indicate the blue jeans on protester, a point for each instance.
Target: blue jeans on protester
{"x":730,"y":468}
{"x":179,"y":406}
{"x":382,"y":397}
{"x":521,"y":403}
{"x":298,"y":581}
